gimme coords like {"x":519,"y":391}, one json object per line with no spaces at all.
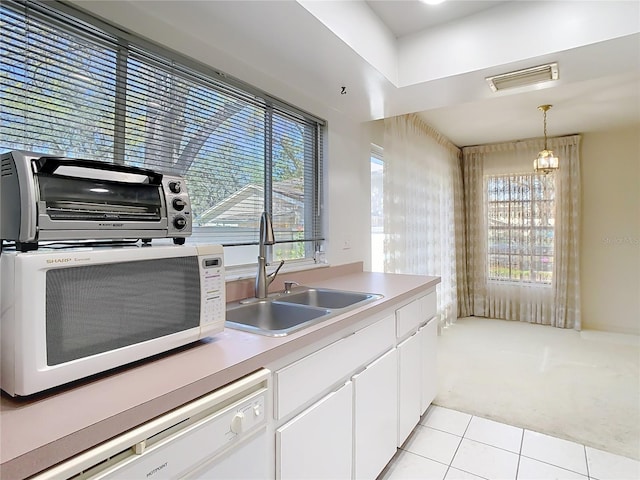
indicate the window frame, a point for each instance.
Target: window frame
{"x":518,"y":250}
{"x":71,"y":18}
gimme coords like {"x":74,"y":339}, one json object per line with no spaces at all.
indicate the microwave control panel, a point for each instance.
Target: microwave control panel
{"x":212,"y":284}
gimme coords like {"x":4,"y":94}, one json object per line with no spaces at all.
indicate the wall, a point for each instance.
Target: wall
{"x":348,"y":193}
{"x":610,"y":248}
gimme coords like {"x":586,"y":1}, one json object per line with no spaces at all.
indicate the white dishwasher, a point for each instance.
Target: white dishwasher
{"x":219,"y":436}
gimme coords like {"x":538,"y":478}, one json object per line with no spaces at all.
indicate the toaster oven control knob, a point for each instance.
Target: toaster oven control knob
{"x":179,"y":204}
{"x":179,"y":222}
{"x":175,"y":187}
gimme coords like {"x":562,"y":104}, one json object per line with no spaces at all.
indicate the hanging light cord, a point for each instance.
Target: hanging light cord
{"x":544,"y":109}
{"x":544,"y":116}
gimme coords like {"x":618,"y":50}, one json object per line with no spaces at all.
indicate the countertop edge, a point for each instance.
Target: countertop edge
{"x":47,"y":455}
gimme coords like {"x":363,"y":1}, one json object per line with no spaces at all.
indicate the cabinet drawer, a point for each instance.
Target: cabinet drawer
{"x":410,"y":316}
{"x":428,"y":306}
{"x":310,"y":376}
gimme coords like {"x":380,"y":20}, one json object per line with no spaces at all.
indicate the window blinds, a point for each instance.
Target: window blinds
{"x":73,"y":86}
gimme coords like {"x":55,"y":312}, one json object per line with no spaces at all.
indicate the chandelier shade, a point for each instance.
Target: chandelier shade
{"x":546,"y":161}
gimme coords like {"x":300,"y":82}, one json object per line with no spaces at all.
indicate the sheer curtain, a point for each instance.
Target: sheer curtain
{"x":556,"y":304}
{"x":423,"y":197}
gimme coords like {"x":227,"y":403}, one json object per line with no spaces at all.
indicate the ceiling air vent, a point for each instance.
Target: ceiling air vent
{"x":521,"y":78}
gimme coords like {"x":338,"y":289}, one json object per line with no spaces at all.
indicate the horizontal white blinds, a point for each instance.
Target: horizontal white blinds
{"x":72,"y":88}
{"x":56,"y":97}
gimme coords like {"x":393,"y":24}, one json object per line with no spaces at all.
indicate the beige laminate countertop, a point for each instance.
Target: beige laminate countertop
{"x":40,"y":431}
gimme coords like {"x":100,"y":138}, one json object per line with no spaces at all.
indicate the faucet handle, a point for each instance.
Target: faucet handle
{"x":288,"y":284}
{"x":271,"y":277}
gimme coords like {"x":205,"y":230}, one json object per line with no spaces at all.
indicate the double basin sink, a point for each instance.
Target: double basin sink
{"x":285,"y":313}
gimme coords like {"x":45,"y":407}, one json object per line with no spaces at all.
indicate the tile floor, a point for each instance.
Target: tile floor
{"x":451,"y":445}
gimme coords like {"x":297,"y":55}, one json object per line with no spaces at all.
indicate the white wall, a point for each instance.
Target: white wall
{"x":348,"y":193}
{"x":610,"y":246}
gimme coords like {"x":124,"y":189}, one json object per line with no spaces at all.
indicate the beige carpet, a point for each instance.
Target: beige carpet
{"x":580,"y":386}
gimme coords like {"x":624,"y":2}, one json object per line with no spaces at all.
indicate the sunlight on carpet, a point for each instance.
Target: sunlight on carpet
{"x":580,"y":386}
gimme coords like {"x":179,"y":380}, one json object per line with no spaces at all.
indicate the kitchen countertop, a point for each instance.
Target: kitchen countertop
{"x":44,"y":429}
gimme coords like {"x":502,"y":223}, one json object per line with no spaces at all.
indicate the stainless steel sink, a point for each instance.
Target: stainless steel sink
{"x":273,"y":318}
{"x":327,"y":298}
{"x":289,"y":312}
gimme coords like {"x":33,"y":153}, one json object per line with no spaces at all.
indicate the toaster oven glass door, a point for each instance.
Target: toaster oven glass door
{"x":70,"y":198}
{"x":99,"y":308}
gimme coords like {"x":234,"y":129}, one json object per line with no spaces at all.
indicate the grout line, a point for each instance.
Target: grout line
{"x":440,"y":430}
{"x":467,"y":427}
{"x":471,"y":473}
{"x":493,"y":446}
{"x":586,"y":459}
{"x":520,"y":454}
{"x":426,"y":458}
{"x":447,"y":470}
{"x":557,"y":466}
{"x":453,"y":456}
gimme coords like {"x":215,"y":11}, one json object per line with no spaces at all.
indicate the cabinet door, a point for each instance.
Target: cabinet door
{"x":375,"y":409}
{"x":429,"y":340}
{"x":409,"y":389}
{"x":318,"y":442}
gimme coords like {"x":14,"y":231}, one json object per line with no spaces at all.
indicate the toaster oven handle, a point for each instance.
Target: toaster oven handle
{"x":49,"y":165}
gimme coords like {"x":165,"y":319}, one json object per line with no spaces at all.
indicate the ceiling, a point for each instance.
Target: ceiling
{"x":404,"y":17}
{"x":402,"y":56}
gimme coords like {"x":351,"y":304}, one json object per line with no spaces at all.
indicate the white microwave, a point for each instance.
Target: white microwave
{"x":68,"y":314}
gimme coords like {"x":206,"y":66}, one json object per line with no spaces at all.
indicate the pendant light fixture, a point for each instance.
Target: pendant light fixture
{"x":546,"y":161}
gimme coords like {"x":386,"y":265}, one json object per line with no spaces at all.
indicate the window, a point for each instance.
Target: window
{"x":73,"y":86}
{"x":377,"y":209}
{"x":521,"y":214}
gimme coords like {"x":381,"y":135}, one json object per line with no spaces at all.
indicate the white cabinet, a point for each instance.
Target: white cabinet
{"x":350,"y":432}
{"x":375,"y":410}
{"x":409,"y":389}
{"x":417,"y":375}
{"x":342,"y":410}
{"x":429,"y":362}
{"x":295,"y":386}
{"x":318,"y":442}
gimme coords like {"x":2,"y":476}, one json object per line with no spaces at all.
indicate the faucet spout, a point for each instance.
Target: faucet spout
{"x":266,"y":238}
{"x":266,"y":232}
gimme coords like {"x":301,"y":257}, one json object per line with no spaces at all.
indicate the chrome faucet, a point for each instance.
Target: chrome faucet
{"x":266,"y":238}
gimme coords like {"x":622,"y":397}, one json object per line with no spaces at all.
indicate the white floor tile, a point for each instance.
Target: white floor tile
{"x":558,"y":452}
{"x":485,"y":461}
{"x":607,"y":466}
{"x":495,"y":434}
{"x":445,"y":419}
{"x":433,"y":444}
{"x":530,"y":469}
{"x":455,"y":474}
{"x":409,"y":466}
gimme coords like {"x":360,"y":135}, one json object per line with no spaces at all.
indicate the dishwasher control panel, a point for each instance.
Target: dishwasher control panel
{"x":247,"y":416}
